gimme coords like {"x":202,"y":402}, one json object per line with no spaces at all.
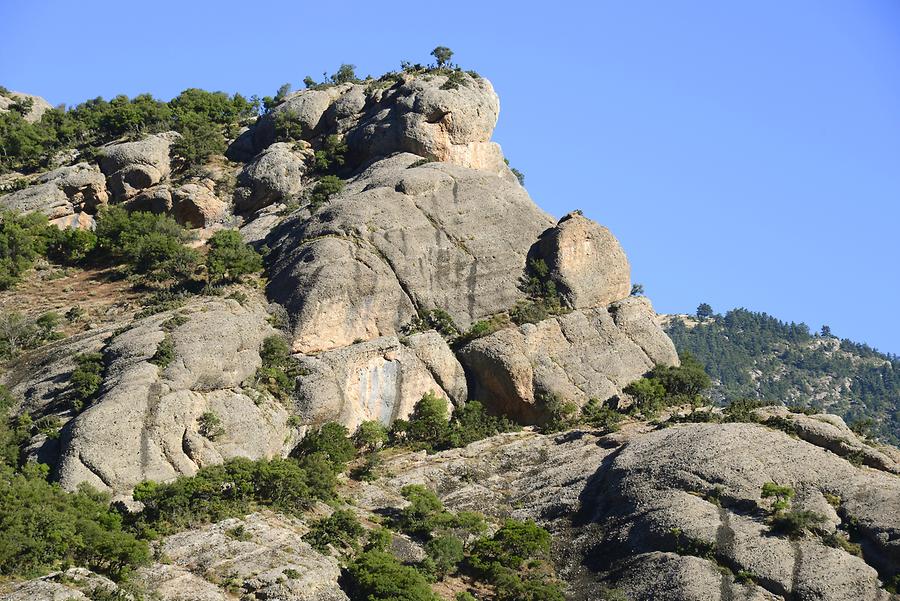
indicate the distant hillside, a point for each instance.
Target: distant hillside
{"x":755,"y":355}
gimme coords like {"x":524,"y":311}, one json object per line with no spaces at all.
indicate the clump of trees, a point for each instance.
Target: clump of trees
{"x":229,"y":257}
{"x":666,"y":385}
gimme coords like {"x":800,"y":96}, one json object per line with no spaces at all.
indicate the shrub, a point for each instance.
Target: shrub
{"x":484,"y":327}
{"x":333,"y":442}
{"x":471,"y":423}
{"x":70,"y":246}
{"x":323,"y":190}
{"x":165,"y":352}
{"x":277,"y":371}
{"x":433,"y":319}
{"x":596,"y":414}
{"x":22,"y":239}
{"x":19,"y":333}
{"x":378,"y":576}
{"x":331,"y":155}
{"x":339,"y":530}
{"x":442,"y":56}
{"x":429,"y":422}
{"x":200,"y":139}
{"x":229,"y":257}
{"x":46,"y":528}
{"x":86,"y":379}
{"x":509,"y":547}
{"x":445,"y":553}
{"x":287,"y":126}
{"x":345,"y":74}
{"x":210,"y":425}
{"x":795,"y":522}
{"x":370,"y":436}
{"x":14,"y":430}
{"x":378,"y":539}
{"x":417,"y":518}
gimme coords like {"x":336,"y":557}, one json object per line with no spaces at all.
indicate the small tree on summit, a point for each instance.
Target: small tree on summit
{"x":704,"y":310}
{"x":442,"y":55}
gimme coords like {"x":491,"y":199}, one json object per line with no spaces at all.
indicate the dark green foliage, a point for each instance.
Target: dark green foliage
{"x":277,"y":373}
{"x":200,"y":139}
{"x":150,"y":245}
{"x":323,"y":190}
{"x":704,"y":310}
{"x":433,"y":319}
{"x":794,"y":366}
{"x":519,"y":175}
{"x":378,"y":539}
{"x":472,"y":422}
{"x":666,"y":385}
{"x":378,"y":576}
{"x":544,"y":300}
{"x":455,"y":79}
{"x":43,"y":528}
{"x":513,"y":544}
{"x":370,"y":436}
{"x":231,"y":489}
{"x":781,"y":495}
{"x":331,"y":156}
{"x":287,"y":126}
{"x":209,"y":425}
{"x":70,"y":246}
{"x":345,"y":74}
{"x":86,"y":379}
{"x":14,"y":431}
{"x":442,"y":56}
{"x":484,"y":327}
{"x":333,"y":441}
{"x":418,"y":518}
{"x":340,"y":530}
{"x":165,"y":352}
{"x":687,"y":545}
{"x":796,"y":522}
{"x":22,"y":239}
{"x":637,"y":289}
{"x":230,"y":257}
{"x":596,"y":414}
{"x":445,"y":553}
{"x":428,"y":424}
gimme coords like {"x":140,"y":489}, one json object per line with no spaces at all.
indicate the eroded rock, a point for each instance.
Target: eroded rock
{"x":133,"y":166}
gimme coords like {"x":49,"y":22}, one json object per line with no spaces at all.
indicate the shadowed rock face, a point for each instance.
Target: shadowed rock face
{"x":133,"y":166}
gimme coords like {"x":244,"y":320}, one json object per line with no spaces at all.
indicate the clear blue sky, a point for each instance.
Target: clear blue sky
{"x":746,"y":154}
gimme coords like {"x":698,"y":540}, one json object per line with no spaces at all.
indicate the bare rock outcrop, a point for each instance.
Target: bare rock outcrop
{"x":196,"y":205}
{"x":38,"y":107}
{"x":376,"y":380}
{"x":133,"y":166}
{"x":585,"y":354}
{"x":400,"y":240}
{"x":146,"y":421}
{"x":274,"y":176}
{"x":586,"y":262}
{"x":61,"y":193}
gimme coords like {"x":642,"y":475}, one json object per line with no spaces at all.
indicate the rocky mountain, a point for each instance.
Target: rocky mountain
{"x":346,"y":356}
{"x":754,"y":355}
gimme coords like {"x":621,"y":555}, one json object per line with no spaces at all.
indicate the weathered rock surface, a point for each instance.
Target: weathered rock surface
{"x":133,"y":166}
{"x":431,"y":348}
{"x":586,"y":262}
{"x":195,"y":205}
{"x":400,"y":240}
{"x":39,"y":106}
{"x":376,"y":380}
{"x":73,"y":584}
{"x":270,"y":562}
{"x":591,"y":353}
{"x":274,"y":176}
{"x":145,"y":423}
{"x":61,"y":193}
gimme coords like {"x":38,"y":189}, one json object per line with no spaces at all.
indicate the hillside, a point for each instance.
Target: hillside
{"x":323,"y":346}
{"x":756,"y":356}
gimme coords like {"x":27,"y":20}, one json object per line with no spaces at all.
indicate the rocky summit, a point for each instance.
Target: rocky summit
{"x":326,"y":347}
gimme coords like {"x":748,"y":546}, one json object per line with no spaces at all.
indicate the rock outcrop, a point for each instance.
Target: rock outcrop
{"x":38,"y":107}
{"x":62,"y":193}
{"x":582,"y":355}
{"x":402,"y":239}
{"x":197,"y":206}
{"x":275,"y":175}
{"x":133,"y":166}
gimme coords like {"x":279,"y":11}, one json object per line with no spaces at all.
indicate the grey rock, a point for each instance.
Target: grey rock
{"x":573,"y":357}
{"x":197,"y":206}
{"x":157,"y":199}
{"x":39,"y":106}
{"x":72,"y":584}
{"x":376,"y":380}
{"x":133,"y":166}
{"x":275,"y":175}
{"x":307,"y":107}
{"x":586,"y":262}
{"x":61,"y":193}
{"x":398,"y":241}
{"x":434,"y":352}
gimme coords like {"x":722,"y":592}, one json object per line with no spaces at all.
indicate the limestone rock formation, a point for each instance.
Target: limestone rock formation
{"x":586,"y":262}
{"x":133,"y":166}
{"x":273,"y":176}
{"x":61,"y":193}
{"x":145,"y":425}
{"x":196,"y":205}
{"x":585,"y":354}
{"x":39,"y":106}
{"x":376,"y":380}
{"x":402,"y":239}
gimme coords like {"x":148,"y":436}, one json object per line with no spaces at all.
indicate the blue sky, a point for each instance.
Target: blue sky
{"x":746,"y":154}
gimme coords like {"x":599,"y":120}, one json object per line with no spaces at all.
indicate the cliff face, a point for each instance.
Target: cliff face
{"x":426,"y":267}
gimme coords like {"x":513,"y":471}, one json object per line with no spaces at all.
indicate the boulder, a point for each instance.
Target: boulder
{"x":133,"y":166}
{"x":586,"y":262}
{"x":73,"y":584}
{"x":376,"y":380}
{"x":61,"y":193}
{"x":574,"y":357}
{"x":306,"y":107}
{"x":145,"y":423}
{"x":400,"y":240}
{"x":157,"y":199}
{"x":39,"y":106}
{"x":196,"y":206}
{"x":431,"y":348}
{"x":275,"y":175}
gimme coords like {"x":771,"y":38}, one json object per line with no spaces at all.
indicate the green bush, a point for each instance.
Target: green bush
{"x":417,"y":518}
{"x":333,"y":442}
{"x":22,"y":239}
{"x":445,"y":553}
{"x":370,"y":436}
{"x":378,"y":576}
{"x":471,"y":423}
{"x":19,"y":333}
{"x":340,"y":530}
{"x":331,"y":156}
{"x":287,"y":126}
{"x":484,"y":327}
{"x":165,"y":352}
{"x":429,"y":423}
{"x":781,"y":495}
{"x":70,"y":246}
{"x":229,"y":257}
{"x":200,"y":139}
{"x":210,"y":425}
{"x":323,"y":190}
{"x":14,"y":430}
{"x":277,"y":372}
{"x":795,"y":522}
{"x":598,"y":415}
{"x":43,"y":528}
{"x":231,"y":489}
{"x":433,"y":319}
{"x":86,"y":379}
